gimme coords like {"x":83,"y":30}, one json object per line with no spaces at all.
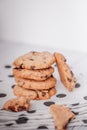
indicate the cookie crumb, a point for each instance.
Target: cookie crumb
{"x":17,"y":104}
{"x":62,"y":116}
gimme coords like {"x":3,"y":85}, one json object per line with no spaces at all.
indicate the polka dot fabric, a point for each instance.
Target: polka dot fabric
{"x":38,"y":116}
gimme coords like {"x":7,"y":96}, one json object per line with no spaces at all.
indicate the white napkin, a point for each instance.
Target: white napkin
{"x":42,"y":116}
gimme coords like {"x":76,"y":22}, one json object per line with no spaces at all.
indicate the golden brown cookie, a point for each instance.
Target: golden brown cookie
{"x":36,"y":85}
{"x":39,"y":75}
{"x":35,"y":94}
{"x":19,"y":91}
{"x":35,"y":60}
{"x":17,"y":104}
{"x":66,"y":75}
{"x":62,"y":116}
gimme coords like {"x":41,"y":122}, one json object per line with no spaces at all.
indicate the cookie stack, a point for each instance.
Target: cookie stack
{"x":33,"y":76}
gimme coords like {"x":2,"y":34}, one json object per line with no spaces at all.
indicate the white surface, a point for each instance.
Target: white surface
{"x":56,"y":23}
{"x":78,"y":63}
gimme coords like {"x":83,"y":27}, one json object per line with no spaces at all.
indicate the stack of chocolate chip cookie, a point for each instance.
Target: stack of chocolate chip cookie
{"x":33,"y":75}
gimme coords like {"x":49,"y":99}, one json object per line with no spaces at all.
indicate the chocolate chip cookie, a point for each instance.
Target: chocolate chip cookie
{"x":39,"y":75}
{"x":36,"y":85}
{"x":34,"y":94}
{"x":66,"y":75}
{"x":35,"y":60}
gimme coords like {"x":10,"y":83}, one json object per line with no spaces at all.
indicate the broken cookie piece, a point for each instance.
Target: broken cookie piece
{"x":62,"y":116}
{"x":17,"y":104}
{"x":66,"y":75}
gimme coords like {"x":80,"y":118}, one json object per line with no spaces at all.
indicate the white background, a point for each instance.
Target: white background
{"x":56,"y":23}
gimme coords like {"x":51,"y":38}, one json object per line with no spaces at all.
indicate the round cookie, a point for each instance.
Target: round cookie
{"x":35,"y":60}
{"x":17,"y":104}
{"x":39,"y":94}
{"x":30,"y":94}
{"x":36,"y":85}
{"x":39,"y":75}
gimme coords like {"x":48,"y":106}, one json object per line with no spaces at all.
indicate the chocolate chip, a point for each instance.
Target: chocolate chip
{"x":56,"y":128}
{"x":61,"y":95}
{"x":31,"y":59}
{"x":51,"y":76}
{"x":21,"y":120}
{"x":48,"y":103}
{"x":13,"y":86}
{"x":32,"y":67}
{"x":32,"y":111}
{"x":37,"y":94}
{"x":43,"y":94}
{"x":42,"y":127}
{"x":19,"y":69}
{"x":77,"y":85}
{"x":3,"y":95}
{"x":64,"y":60}
{"x":69,"y":79}
{"x":44,"y":76}
{"x":21,"y":108}
{"x":10,"y":124}
{"x":71,"y":73}
{"x":21,"y":66}
{"x":7,"y":66}
{"x":75,"y":104}
{"x":12,"y":108}
{"x":41,"y":77}
{"x":16,"y":103}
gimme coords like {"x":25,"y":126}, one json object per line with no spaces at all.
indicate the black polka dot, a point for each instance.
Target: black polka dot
{"x":0,"y":80}
{"x":76,"y":113}
{"x":42,"y":127}
{"x":48,"y":103}
{"x":85,"y":121}
{"x":13,"y":86}
{"x":32,"y":111}
{"x":77,"y":85}
{"x":11,"y":76}
{"x":85,"y":97}
{"x":22,"y":115}
{"x":3,"y":95}
{"x":21,"y":120}
{"x":61,"y":95}
{"x":10,"y":124}
{"x":7,"y":66}
{"x":75,"y":104}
